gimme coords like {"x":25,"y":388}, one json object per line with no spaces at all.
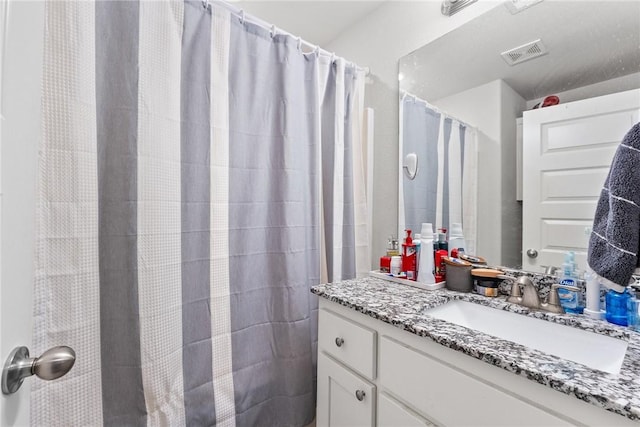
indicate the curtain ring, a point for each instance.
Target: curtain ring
{"x":273,"y":31}
{"x":333,"y":57}
{"x":316,"y":51}
{"x":299,"y":43}
{"x":205,"y":4}
{"x":242,"y":16}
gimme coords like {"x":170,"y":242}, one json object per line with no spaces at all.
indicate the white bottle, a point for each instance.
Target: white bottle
{"x":425,"y":274}
{"x":416,"y":241}
{"x":456,"y":238}
{"x":593,"y":309}
{"x":396,"y":265}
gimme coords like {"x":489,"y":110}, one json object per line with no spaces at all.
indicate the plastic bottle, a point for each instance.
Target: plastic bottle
{"x":570,"y":300}
{"x":456,"y":238}
{"x":633,"y":316}
{"x":617,"y":306}
{"x":417,"y":240}
{"x":441,"y":269}
{"x":425,"y":263}
{"x":396,"y":265}
{"x":392,"y":247}
{"x":409,"y":260}
{"x":593,"y":296}
{"x":442,"y":240}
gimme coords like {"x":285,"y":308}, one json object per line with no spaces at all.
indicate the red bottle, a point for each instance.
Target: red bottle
{"x":441,"y":272}
{"x":409,"y":257}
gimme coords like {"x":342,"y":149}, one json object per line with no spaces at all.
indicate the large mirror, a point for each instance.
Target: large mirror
{"x":575,"y":50}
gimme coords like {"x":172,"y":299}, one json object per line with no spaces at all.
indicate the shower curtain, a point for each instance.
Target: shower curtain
{"x":445,"y":188}
{"x":198,"y":173}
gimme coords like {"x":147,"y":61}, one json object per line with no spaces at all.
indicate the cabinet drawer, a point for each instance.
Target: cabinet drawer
{"x":349,"y":342}
{"x":449,"y":397}
{"x":344,"y":399}
{"x":392,"y":413}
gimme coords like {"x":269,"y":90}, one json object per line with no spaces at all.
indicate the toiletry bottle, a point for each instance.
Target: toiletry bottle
{"x":396,"y":265}
{"x":418,"y":241}
{"x":593,"y":296}
{"x":616,"y":303}
{"x":409,"y":257}
{"x":456,"y":239}
{"x":385,"y":264}
{"x":441,"y":272}
{"x":570,"y":300}
{"x":633,"y":315}
{"x":442,"y":240}
{"x":392,"y":247}
{"x":425,"y":263}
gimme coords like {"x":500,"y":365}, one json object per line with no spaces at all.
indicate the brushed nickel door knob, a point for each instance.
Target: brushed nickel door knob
{"x":360,"y":394}
{"x":532,"y":253}
{"x":52,"y":364}
{"x":339,"y":341}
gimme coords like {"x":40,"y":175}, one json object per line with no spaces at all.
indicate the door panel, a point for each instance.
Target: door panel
{"x":567,"y":152}
{"x":23,"y":23}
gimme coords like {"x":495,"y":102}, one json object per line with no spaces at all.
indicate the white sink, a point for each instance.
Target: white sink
{"x":593,"y":350}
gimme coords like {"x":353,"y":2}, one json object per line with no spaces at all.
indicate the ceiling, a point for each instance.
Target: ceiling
{"x":588,"y":42}
{"x":318,"y":22}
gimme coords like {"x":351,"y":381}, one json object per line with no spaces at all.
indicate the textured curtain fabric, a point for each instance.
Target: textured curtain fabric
{"x":444,"y":190}
{"x":184,"y":182}
{"x":345,"y":239}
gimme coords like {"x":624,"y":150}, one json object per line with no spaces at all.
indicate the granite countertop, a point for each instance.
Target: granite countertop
{"x":402,"y":306}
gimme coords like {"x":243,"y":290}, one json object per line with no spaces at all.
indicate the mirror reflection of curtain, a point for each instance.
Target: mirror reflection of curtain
{"x":444,"y":190}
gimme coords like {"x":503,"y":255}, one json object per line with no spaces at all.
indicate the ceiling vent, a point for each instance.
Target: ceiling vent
{"x":449,"y":7}
{"x":525,"y":52}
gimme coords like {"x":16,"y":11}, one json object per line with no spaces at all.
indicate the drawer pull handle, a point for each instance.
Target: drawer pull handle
{"x":360,"y":394}
{"x":339,"y":342}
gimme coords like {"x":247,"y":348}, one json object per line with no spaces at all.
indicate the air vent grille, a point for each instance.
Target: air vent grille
{"x":525,"y":52}
{"x":450,"y":7}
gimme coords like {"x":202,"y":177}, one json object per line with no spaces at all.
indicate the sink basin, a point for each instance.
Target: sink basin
{"x":593,"y":350}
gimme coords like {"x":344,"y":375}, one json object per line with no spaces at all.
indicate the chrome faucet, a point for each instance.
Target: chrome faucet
{"x":530,"y":298}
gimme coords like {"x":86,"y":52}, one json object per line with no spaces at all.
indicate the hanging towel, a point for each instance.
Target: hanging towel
{"x":615,"y":239}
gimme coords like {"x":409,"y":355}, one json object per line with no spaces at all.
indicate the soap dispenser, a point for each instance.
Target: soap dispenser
{"x":571,"y":301}
{"x":409,"y":261}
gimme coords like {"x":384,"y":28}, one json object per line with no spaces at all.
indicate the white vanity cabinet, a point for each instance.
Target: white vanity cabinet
{"x":409,"y":380}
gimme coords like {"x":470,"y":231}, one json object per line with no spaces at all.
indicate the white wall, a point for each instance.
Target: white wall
{"x":390,"y":32}
{"x":512,"y":105}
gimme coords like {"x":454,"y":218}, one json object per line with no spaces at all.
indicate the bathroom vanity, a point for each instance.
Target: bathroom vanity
{"x":385,"y":358}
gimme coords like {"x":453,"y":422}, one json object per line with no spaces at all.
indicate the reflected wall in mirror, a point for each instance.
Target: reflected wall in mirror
{"x":582,"y":50}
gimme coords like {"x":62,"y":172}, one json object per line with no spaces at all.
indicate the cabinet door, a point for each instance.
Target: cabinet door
{"x":392,"y":413}
{"x":451,"y":397}
{"x":344,"y":399}
{"x":568,"y":149}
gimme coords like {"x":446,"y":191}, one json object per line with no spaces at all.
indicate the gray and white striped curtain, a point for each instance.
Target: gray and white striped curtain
{"x":182,"y":214}
{"x":444,"y":191}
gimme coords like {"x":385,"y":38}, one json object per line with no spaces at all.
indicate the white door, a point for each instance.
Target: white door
{"x":568,"y":150}
{"x":21,"y":25}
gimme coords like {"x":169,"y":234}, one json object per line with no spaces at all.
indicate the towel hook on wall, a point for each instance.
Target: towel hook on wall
{"x":411,"y":165}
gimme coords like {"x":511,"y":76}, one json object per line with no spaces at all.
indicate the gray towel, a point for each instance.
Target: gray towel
{"x":615,"y":240}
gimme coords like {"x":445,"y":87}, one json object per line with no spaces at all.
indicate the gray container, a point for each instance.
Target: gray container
{"x":458,"y":275}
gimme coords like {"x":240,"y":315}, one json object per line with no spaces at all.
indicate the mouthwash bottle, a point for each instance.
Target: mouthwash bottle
{"x":571,"y":301}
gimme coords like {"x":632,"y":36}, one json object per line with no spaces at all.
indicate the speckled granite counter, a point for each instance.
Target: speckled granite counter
{"x":402,"y":306}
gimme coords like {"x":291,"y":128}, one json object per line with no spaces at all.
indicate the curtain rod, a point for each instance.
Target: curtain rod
{"x":405,"y":94}
{"x":275,"y":30}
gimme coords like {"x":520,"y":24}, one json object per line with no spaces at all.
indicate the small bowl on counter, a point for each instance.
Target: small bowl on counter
{"x":486,"y":281}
